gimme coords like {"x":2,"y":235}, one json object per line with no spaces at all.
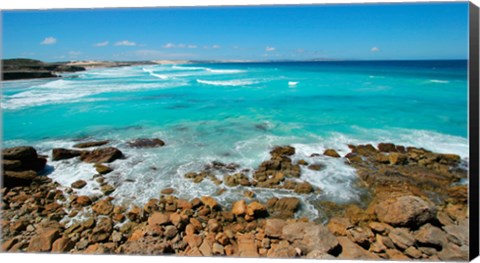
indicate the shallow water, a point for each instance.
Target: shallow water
{"x":237,"y":113}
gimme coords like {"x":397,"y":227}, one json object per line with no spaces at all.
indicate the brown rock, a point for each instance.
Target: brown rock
{"x":282,"y":250}
{"x":209,"y":202}
{"x":331,"y":153}
{"x":309,"y":237}
{"x":62,"y":154}
{"x":102,"y":169}
{"x":387,"y":147}
{"x":351,"y":250}
{"x":218,"y":249}
{"x":362,"y":236}
{"x":170,"y":231}
{"x":303,"y":188}
{"x":239,"y":208}
{"x":256,"y":209}
{"x":103,"y":207}
{"x":401,"y":238}
{"x":205,"y":248}
{"x":247,"y":246}
{"x":381,"y":228}
{"x":430,"y":236}
{"x":83,"y":200}
{"x":12,"y":179}
{"x":146,"y":143}
{"x":167,"y":191}
{"x":285,"y":150}
{"x":90,"y":144}
{"x":44,"y":240}
{"x":12,"y":165}
{"x":101,"y":155}
{"x":79,"y":184}
{"x":274,"y":227}
{"x":6,"y":245}
{"x":107,"y":189}
{"x":394,"y":254}
{"x":338,"y":226}
{"x":316,"y":167}
{"x":158,"y":218}
{"x":397,"y":158}
{"x":193,"y":252}
{"x":63,"y":244}
{"x":413,"y":252}
{"x":102,"y":230}
{"x":453,"y":252}
{"x":19,"y":153}
{"x":405,"y":211}
{"x":284,"y":207}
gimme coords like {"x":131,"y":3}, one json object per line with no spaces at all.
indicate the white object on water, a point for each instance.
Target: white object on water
{"x":292,"y":83}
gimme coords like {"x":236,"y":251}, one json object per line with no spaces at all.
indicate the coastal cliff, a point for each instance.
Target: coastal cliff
{"x":14,"y":69}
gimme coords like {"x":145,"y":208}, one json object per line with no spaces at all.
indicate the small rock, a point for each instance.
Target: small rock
{"x":170,"y":232}
{"x":158,"y":218}
{"x":218,"y":249}
{"x":331,"y":153}
{"x":103,"y":207}
{"x":274,"y":227}
{"x":401,"y":238}
{"x":167,"y":191}
{"x":79,"y":184}
{"x":102,"y":169}
{"x":413,"y":252}
{"x":209,"y":202}
{"x":90,"y":144}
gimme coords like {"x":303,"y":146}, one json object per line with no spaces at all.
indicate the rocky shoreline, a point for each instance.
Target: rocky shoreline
{"x":417,"y":209}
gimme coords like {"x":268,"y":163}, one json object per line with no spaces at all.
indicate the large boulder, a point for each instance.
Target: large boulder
{"x":20,"y":165}
{"x":309,"y":237}
{"x":102,"y":155}
{"x":409,"y":211}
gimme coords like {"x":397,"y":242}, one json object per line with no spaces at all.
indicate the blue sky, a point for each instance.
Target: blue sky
{"x":359,"y":31}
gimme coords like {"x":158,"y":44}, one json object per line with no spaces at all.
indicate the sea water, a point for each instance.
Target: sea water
{"x":236,"y":113}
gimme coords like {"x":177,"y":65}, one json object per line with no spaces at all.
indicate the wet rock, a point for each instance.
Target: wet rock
{"x":102,"y":169}
{"x":103,"y":207}
{"x":285,"y":150}
{"x":83,"y":200}
{"x":397,"y":158}
{"x":316,"y":167}
{"x":387,"y":147}
{"x":90,"y":144}
{"x":62,"y":154}
{"x":331,"y":153}
{"x":302,"y":162}
{"x":405,"y":211}
{"x":401,"y":238}
{"x":12,"y":165}
{"x":19,"y":153}
{"x":364,"y":150}
{"x":146,"y":143}
{"x":303,"y":188}
{"x":78,"y":184}
{"x":107,"y":189}
{"x":101,"y":155}
{"x":167,"y":191}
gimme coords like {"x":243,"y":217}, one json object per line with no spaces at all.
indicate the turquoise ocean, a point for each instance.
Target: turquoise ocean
{"x":236,"y":112}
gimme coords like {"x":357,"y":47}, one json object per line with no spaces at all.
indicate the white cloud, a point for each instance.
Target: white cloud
{"x":169,"y":45}
{"x":102,"y":44}
{"x":375,"y":49}
{"x":269,"y":49}
{"x":215,"y":46}
{"x":49,"y":41}
{"x":125,"y":43}
{"x":192,"y":46}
